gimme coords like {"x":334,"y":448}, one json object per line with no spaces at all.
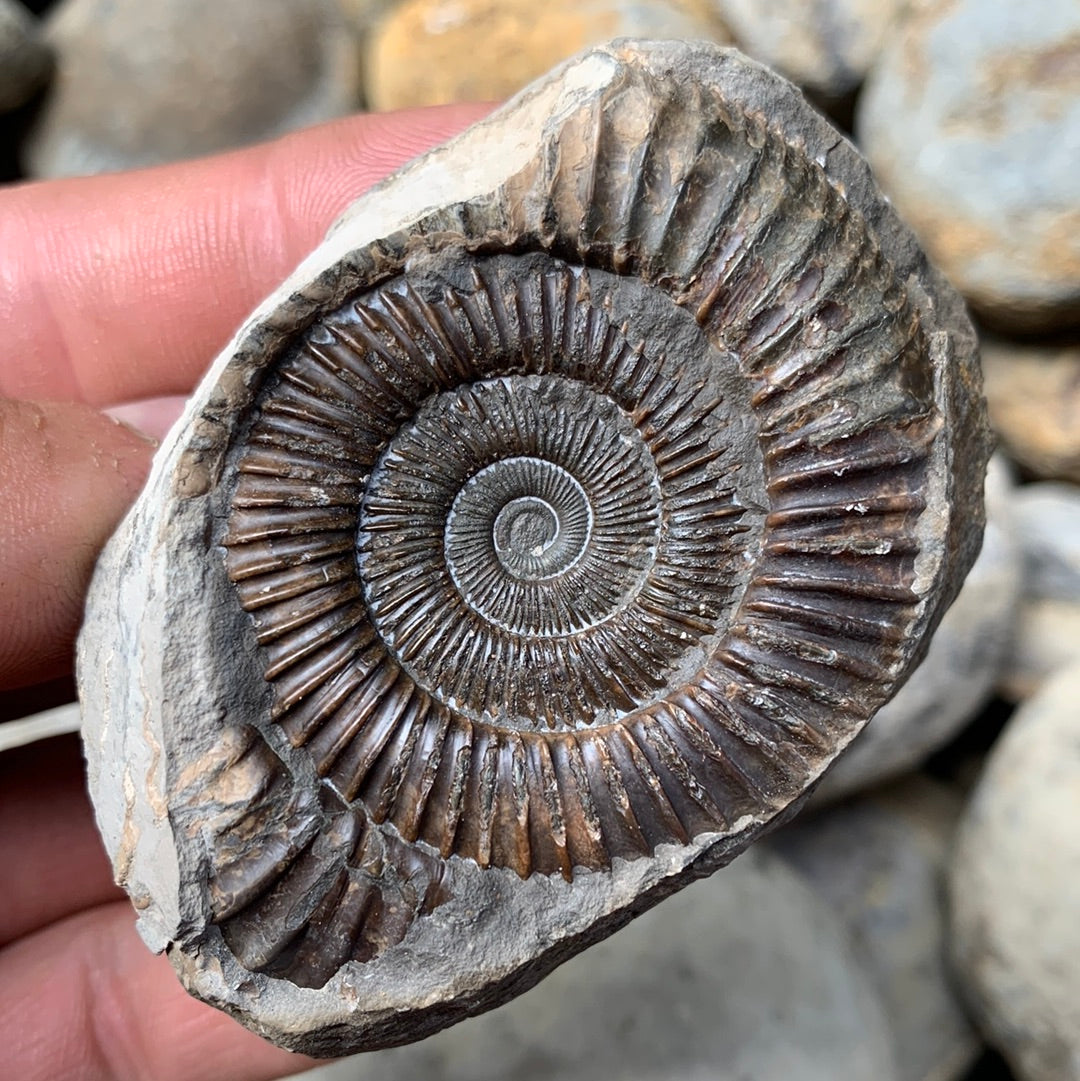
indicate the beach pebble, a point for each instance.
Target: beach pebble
{"x":826,"y":48}
{"x":25,"y":60}
{"x":960,"y":669}
{"x":1015,"y":888}
{"x":362,"y":15}
{"x":747,"y":974}
{"x":1033,"y":394}
{"x":971,"y":119}
{"x":147,"y":81}
{"x":1047,"y":518}
{"x":879,"y":863}
{"x":429,"y":52}
{"x":1046,"y":639}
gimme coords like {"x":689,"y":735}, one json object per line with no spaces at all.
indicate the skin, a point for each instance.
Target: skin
{"x":118,"y":289}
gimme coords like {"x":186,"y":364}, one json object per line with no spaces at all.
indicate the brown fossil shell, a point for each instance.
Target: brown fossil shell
{"x":539,"y":544}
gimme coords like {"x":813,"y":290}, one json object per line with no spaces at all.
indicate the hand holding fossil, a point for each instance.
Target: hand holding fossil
{"x":118,"y":288}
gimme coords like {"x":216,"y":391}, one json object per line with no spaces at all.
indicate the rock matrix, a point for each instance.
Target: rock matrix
{"x":521,"y":560}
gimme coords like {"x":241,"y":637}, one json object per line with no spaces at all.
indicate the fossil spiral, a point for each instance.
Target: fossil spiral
{"x":542,"y":541}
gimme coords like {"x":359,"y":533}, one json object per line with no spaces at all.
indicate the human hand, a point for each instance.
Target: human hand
{"x":117,"y":289}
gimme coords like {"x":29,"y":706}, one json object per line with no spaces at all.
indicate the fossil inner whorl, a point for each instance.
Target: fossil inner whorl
{"x":509,"y":516}
{"x":484,"y":517}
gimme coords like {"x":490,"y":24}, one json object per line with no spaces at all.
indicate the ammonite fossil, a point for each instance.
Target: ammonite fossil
{"x":538,"y":544}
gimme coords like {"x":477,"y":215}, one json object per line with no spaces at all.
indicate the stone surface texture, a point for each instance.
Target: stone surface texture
{"x":1047,"y":518}
{"x":1046,"y":639}
{"x":826,"y":46}
{"x":430,"y":52}
{"x":1047,"y":635}
{"x":146,"y":81}
{"x":362,"y":16}
{"x":1033,"y":394}
{"x":983,"y":163}
{"x":659,"y":1000}
{"x":1015,"y":888}
{"x":961,"y":668}
{"x":25,"y":60}
{"x":360,"y":793}
{"x":879,"y":863}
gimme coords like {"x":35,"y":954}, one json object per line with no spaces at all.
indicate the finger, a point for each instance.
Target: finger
{"x":119,"y":287}
{"x":52,"y":857}
{"x":85,"y":1000}
{"x":67,"y":474}
{"x":151,"y":416}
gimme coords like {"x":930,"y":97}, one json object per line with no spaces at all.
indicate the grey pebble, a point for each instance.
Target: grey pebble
{"x":826,"y":47}
{"x":1047,"y":520}
{"x":879,"y":863}
{"x":146,"y":81}
{"x":1015,"y":888}
{"x":984,"y":163}
{"x":25,"y":60}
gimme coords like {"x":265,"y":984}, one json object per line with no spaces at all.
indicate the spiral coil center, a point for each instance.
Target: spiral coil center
{"x":525,"y":514}
{"x":524,"y":531}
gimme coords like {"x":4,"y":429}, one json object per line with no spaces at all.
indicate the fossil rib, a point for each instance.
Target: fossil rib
{"x":537,"y":545}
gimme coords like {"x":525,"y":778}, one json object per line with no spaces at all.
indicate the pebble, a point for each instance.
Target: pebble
{"x":430,"y":52}
{"x":879,"y":862}
{"x":1015,"y":888}
{"x":960,"y":669}
{"x":361,"y":16}
{"x":983,"y":163}
{"x":1033,"y":394}
{"x":825,"y":48}
{"x":147,"y":81}
{"x":1047,"y":520}
{"x":1046,"y":640}
{"x":25,"y":60}
{"x":747,"y":974}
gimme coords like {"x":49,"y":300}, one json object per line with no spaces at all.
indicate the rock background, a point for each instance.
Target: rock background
{"x":970,"y":112}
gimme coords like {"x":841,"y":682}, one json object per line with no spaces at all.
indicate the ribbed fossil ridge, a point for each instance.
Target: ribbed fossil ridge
{"x":522,"y":595}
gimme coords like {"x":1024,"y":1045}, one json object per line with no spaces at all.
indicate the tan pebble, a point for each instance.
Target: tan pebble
{"x":1033,"y":393}
{"x":1047,"y":639}
{"x":431,"y":52}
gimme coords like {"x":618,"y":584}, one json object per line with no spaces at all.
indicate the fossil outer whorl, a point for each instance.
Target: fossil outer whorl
{"x":529,"y":553}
